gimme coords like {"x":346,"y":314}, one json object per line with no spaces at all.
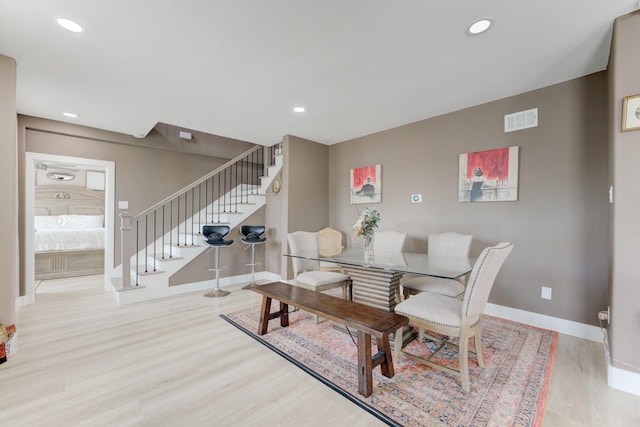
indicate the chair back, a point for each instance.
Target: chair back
{"x":481,"y":280}
{"x":251,"y":234}
{"x":245,"y":230}
{"x":222,"y":230}
{"x":329,"y":242}
{"x":303,"y":242}
{"x":449,"y":244}
{"x":214,"y":235}
{"x":389,"y":241}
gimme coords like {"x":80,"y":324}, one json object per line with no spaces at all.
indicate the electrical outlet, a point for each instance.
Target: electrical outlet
{"x":545,"y":293}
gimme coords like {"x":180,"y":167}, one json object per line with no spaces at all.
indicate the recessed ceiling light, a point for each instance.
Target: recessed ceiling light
{"x":70,"y":25}
{"x":479,"y":26}
{"x":298,"y":109}
{"x":72,"y":115}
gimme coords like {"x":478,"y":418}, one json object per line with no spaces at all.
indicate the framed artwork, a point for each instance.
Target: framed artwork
{"x":631,"y":113}
{"x":366,"y":185}
{"x":489,"y":176}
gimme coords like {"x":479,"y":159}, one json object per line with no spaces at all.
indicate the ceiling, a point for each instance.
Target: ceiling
{"x":237,"y":68}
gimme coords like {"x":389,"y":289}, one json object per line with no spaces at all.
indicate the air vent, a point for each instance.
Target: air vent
{"x":521,"y":120}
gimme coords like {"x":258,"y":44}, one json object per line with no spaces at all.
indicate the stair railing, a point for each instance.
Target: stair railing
{"x":177,"y":219}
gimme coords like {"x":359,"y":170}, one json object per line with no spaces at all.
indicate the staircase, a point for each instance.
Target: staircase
{"x":166,"y":237}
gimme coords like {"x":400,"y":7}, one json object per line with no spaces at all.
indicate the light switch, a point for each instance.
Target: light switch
{"x":123,"y":204}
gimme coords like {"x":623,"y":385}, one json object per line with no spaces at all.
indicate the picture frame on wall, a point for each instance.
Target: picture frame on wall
{"x":489,"y":176}
{"x":366,"y":184}
{"x":631,"y":113}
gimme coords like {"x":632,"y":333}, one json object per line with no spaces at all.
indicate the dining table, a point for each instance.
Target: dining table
{"x":376,"y":282}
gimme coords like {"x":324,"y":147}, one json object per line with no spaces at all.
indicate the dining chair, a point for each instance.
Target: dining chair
{"x":330,"y":244}
{"x":307,"y":271}
{"x":447,"y":244}
{"x":451,"y":317}
{"x":388,"y":241}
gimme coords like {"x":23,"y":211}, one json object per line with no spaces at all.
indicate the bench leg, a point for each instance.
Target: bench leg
{"x":365,"y":365}
{"x":284,"y":313}
{"x":386,"y":365}
{"x":264,"y":315}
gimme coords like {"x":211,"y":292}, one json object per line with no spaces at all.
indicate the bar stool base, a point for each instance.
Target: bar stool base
{"x":215,"y":293}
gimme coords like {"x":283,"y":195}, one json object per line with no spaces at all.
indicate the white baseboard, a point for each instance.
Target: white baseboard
{"x":21,"y":302}
{"x":621,"y":379}
{"x":225,"y":282}
{"x":617,"y":378}
{"x":543,"y":321}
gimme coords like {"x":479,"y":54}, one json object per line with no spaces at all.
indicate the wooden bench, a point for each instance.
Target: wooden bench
{"x":369,"y":321}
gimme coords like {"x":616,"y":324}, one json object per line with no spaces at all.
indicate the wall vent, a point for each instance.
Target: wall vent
{"x":521,"y":120}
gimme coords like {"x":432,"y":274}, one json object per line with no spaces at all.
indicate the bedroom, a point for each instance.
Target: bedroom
{"x":69,"y":206}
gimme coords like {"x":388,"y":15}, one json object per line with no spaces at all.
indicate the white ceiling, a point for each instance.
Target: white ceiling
{"x":236,"y":68}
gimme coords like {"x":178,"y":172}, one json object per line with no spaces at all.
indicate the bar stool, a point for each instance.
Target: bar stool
{"x":251,"y":235}
{"x":214,"y":235}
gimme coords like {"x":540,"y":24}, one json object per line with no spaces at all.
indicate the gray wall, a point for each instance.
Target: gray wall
{"x":9,"y":190}
{"x":625,"y":226}
{"x":303,"y":200}
{"x":559,"y":223}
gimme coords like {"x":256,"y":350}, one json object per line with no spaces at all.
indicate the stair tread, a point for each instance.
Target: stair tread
{"x":149,"y":270}
{"x":168,"y":257}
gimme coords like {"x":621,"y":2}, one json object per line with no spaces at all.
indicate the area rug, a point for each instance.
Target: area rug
{"x":510,"y":391}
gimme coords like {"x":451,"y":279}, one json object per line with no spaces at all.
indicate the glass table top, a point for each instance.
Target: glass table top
{"x":401,"y":262}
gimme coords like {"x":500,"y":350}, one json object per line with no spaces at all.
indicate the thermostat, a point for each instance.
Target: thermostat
{"x":416,"y":198}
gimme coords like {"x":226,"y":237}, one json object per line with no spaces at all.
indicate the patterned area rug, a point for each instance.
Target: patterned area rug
{"x":510,"y":391}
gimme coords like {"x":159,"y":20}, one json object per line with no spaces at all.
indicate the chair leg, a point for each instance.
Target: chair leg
{"x":478,"y":344}
{"x":217,"y":292}
{"x":397,"y":343}
{"x":463,"y":354}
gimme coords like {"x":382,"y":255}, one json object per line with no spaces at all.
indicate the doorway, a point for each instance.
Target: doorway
{"x":32,"y":162}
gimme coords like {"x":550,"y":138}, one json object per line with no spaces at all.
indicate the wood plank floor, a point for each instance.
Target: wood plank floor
{"x":84,"y":361}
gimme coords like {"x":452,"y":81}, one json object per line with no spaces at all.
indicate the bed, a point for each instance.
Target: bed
{"x":69,"y":235}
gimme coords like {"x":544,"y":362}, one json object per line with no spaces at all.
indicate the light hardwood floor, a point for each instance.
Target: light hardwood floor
{"x":84,"y":361}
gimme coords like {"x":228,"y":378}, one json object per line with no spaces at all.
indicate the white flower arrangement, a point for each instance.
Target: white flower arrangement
{"x":367,"y":223}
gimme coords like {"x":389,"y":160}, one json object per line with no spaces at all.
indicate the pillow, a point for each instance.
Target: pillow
{"x":79,"y":222}
{"x":46,"y":222}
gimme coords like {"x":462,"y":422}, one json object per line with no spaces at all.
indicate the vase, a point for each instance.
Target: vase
{"x":368,"y":250}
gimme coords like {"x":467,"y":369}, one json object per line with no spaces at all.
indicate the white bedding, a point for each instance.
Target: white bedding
{"x":69,"y":232}
{"x":64,"y":240}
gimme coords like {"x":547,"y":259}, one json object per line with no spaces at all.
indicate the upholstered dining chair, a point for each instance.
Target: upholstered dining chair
{"x":451,"y":317}
{"x":330,"y":244}
{"x":441,"y":244}
{"x":307,"y":271}
{"x":389,"y":241}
